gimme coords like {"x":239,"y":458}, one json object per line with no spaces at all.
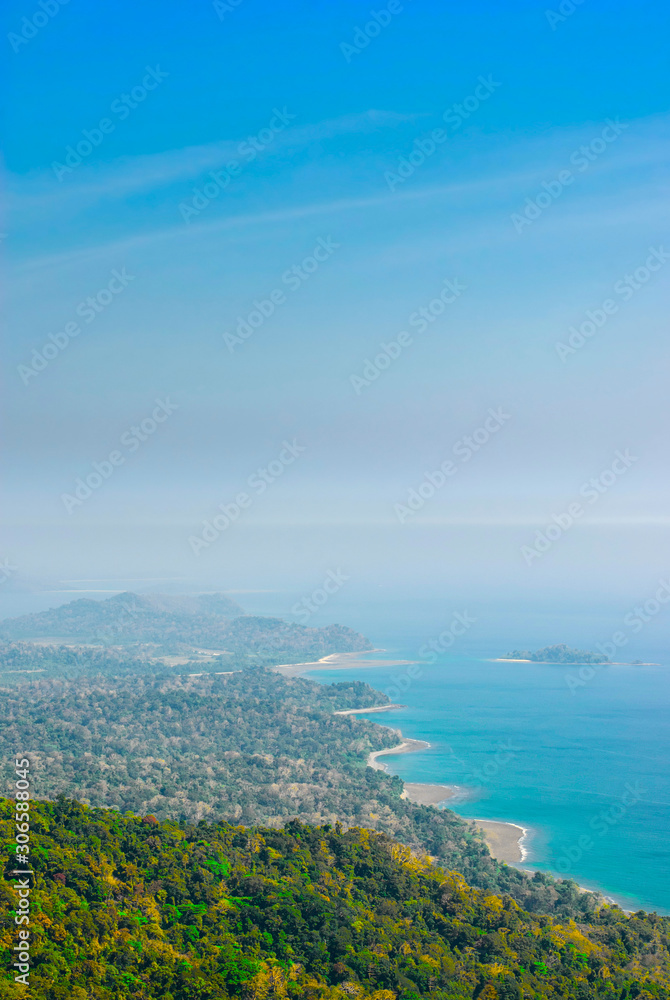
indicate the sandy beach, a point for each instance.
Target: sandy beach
{"x":407,"y":746}
{"x":556,"y":663}
{"x":428,"y":795}
{"x":417,"y":792}
{"x":338,"y":661}
{"x":505,"y":840}
{"x":365,"y":711}
{"x":508,"y":659}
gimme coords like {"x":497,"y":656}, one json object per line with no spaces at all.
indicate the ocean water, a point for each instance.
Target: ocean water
{"x":583,"y":766}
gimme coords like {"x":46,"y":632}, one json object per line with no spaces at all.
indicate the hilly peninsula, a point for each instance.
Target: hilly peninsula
{"x":185,"y":624}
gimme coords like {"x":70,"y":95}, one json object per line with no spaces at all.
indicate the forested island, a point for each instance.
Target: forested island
{"x":128,"y":908}
{"x":559,"y":653}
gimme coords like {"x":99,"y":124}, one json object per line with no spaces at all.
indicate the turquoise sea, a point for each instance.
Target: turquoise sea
{"x":584,"y":768}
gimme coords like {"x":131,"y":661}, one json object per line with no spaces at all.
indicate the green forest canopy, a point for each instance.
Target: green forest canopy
{"x":125,"y":907}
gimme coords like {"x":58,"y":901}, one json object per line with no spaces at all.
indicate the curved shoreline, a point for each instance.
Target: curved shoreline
{"x":505,"y":840}
{"x":421,"y":793}
{"x":338,"y":661}
{"x":407,"y":746}
{"x":364,"y":711}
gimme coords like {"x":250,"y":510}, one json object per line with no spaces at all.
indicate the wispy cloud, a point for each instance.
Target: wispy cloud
{"x":245,"y":220}
{"x":133,"y":175}
{"x":508,"y":169}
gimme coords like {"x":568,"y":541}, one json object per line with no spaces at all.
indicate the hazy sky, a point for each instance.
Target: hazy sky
{"x":541,"y":199}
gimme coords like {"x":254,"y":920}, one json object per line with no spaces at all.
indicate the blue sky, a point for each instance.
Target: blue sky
{"x":332,"y":130}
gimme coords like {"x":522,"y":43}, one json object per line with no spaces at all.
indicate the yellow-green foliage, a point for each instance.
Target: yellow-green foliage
{"x":125,"y":907}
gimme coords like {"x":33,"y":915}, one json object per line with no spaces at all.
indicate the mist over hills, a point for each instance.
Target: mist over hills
{"x":128,"y":617}
{"x":178,"y":623}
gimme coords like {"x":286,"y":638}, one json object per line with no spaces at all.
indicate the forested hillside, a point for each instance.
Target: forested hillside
{"x":124,"y":617}
{"x":177,"y":624}
{"x":27,"y":661}
{"x":124,"y":908}
{"x":251,"y":748}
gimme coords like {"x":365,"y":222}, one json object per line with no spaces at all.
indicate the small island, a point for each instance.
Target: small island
{"x":556,"y":654}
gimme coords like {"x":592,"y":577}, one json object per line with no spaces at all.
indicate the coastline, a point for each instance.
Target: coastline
{"x":422,"y":794}
{"x":571,"y":663}
{"x":338,"y":661}
{"x":505,"y":840}
{"x":365,"y":711}
{"x":407,"y":746}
